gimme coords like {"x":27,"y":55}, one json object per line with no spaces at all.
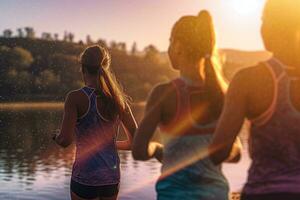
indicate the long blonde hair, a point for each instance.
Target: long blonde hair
{"x":96,"y":60}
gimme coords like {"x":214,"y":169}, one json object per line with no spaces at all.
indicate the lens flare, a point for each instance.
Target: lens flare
{"x":247,"y":7}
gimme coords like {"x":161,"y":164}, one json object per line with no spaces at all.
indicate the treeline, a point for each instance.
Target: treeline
{"x":46,"y":68}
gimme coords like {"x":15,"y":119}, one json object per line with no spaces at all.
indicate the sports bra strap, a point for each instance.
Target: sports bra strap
{"x":88,"y":91}
{"x":278,"y":72}
{"x":276,"y":68}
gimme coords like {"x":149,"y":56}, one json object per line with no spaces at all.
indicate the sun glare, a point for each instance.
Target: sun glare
{"x":247,"y":7}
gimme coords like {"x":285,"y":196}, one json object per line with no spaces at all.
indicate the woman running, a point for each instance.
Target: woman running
{"x":91,"y":116}
{"x":186,"y":110}
{"x":268,"y":95}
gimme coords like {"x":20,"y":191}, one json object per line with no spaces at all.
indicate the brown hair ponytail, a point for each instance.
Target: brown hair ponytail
{"x":96,"y":61}
{"x":213,"y":88}
{"x":196,"y":35}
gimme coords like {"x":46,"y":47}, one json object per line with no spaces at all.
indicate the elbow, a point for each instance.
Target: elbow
{"x":137,"y":155}
{"x":219,"y":156}
{"x":63,"y":142}
{"x":236,"y":158}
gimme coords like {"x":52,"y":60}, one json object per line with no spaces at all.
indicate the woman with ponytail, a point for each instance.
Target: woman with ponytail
{"x":186,"y":110}
{"x":92,"y":116}
{"x":267,"y":95}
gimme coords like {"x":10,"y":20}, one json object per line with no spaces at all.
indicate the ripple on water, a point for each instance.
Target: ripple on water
{"x":30,"y":172}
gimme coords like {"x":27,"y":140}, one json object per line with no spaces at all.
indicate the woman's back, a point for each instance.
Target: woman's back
{"x":186,"y":111}
{"x":96,"y":161}
{"x":275,"y":132}
{"x":175,"y":101}
{"x":186,"y":132}
{"x":91,"y":115}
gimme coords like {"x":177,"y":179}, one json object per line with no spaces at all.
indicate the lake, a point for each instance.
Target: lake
{"x":33,"y":167}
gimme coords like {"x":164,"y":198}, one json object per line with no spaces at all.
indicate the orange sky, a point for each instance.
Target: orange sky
{"x":144,"y":21}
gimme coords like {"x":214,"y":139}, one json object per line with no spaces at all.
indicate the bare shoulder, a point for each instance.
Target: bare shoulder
{"x":161,"y":88}
{"x":75,"y":96}
{"x":159,"y":93}
{"x":250,"y":76}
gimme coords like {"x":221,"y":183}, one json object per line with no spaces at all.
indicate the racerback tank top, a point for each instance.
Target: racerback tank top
{"x":96,"y":161}
{"x":274,"y":142}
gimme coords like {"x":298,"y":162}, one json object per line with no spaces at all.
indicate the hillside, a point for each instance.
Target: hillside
{"x":234,"y":60}
{"x":38,"y":69}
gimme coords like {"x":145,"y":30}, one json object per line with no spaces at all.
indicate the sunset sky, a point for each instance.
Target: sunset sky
{"x":144,"y":21}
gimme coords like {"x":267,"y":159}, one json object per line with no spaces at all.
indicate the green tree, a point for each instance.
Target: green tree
{"x":46,"y":36}
{"x":47,"y":81}
{"x":102,"y":42}
{"x":151,"y":53}
{"x":89,"y":40}
{"x":56,"y":36}
{"x":134,"y":49}
{"x":16,"y":57}
{"x":14,"y":73}
{"x":29,"y":32}
{"x":20,"y":58}
{"x":71,"y":37}
{"x":122,"y":46}
{"x":20,"y":32}
{"x":7,"y":33}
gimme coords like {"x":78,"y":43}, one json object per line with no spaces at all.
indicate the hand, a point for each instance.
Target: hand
{"x":235,"y":154}
{"x":54,"y":134}
{"x":159,"y":153}
{"x":156,"y":150}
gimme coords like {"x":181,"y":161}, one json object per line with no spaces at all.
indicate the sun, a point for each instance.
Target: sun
{"x":247,"y":7}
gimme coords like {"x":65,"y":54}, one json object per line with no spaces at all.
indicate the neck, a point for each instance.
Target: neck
{"x":288,"y":59}
{"x":91,"y":82}
{"x":192,"y":72}
{"x":291,"y":63}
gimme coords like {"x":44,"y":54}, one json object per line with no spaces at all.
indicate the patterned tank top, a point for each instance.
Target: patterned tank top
{"x":274,"y":142}
{"x":96,"y":161}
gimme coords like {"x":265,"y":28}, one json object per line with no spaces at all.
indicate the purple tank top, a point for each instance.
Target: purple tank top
{"x":96,"y":161}
{"x":274,"y":142}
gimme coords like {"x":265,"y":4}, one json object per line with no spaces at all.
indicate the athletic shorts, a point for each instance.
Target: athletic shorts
{"x":91,"y":192}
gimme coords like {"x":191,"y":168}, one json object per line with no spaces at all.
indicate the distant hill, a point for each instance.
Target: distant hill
{"x":233,"y":60}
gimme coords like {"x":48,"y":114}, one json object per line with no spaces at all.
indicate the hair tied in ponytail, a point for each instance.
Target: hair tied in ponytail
{"x":204,"y":14}
{"x":106,"y":61}
{"x":207,"y":56}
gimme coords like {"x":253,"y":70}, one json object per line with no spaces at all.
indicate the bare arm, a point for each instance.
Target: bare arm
{"x":66,"y":135}
{"x":234,"y":112}
{"x":235,"y":153}
{"x":143,"y":149}
{"x":129,"y":124}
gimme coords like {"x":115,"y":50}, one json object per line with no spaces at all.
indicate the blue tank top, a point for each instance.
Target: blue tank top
{"x":96,"y":161}
{"x":187,"y":172}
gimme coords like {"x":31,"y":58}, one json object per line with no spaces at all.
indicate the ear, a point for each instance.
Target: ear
{"x":177,"y":48}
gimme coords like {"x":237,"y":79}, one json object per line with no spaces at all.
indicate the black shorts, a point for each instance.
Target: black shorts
{"x":273,"y":196}
{"x":91,"y":192}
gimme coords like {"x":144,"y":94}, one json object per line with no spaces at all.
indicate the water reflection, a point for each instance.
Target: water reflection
{"x":33,"y":167}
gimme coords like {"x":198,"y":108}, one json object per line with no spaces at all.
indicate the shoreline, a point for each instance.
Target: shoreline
{"x":42,"y":105}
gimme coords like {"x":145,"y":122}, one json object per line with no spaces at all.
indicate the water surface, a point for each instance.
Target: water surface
{"x":33,"y":167}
